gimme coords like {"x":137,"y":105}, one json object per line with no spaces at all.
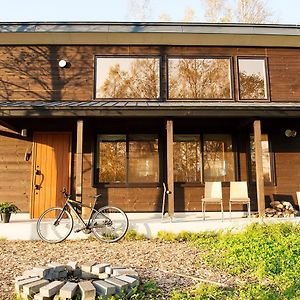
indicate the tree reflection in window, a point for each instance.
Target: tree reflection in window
{"x":218,"y":157}
{"x":215,"y":163}
{"x":127,"y":78}
{"x":111,"y":162}
{"x":187,"y":158}
{"x":199,"y":78}
{"x":127,"y":159}
{"x":266,"y":158}
{"x":143,"y":159}
{"x":252,"y":79}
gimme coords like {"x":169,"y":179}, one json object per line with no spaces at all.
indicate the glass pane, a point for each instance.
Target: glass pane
{"x":111,"y":162}
{"x":266,"y":158}
{"x":218,"y":157}
{"x":131,"y":78}
{"x":199,"y":78}
{"x":252,"y":79}
{"x":143,"y":162}
{"x":187,"y":158}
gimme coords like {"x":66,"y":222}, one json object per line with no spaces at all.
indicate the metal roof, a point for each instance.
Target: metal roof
{"x":149,"y":33}
{"x":146,"y":108}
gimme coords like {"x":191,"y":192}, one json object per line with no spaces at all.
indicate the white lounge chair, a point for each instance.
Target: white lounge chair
{"x":239,"y":195}
{"x":212,"y":194}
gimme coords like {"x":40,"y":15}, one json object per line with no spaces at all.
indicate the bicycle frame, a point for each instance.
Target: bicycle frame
{"x":69,"y":203}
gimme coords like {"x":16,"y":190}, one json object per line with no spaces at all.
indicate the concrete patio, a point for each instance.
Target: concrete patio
{"x":21,"y":227}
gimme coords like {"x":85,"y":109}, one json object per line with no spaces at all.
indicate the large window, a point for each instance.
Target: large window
{"x":127,"y":78}
{"x":218,"y":157}
{"x":209,"y":160}
{"x":266,"y":159}
{"x":252,"y":79}
{"x":127,"y":159}
{"x":199,"y":78}
{"x":187,"y":158}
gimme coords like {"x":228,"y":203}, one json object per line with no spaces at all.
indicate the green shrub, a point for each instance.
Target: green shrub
{"x":265,"y":256}
{"x":133,"y":235}
{"x":202,"y":292}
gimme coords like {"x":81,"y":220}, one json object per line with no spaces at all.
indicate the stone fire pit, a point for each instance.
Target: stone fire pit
{"x":88,"y":281}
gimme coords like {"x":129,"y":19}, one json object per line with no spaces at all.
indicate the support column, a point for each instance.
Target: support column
{"x":259,"y":168}
{"x":79,"y":160}
{"x":170,"y":168}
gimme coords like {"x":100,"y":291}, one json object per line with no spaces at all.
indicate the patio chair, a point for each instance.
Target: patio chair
{"x":239,"y":195}
{"x":212,"y":194}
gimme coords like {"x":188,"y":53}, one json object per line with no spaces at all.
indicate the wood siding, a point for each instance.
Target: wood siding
{"x":32,"y":73}
{"x":15,"y":172}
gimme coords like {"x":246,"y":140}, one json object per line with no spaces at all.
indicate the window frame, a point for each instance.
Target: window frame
{"x":236,"y":168}
{"x":232,"y":83}
{"x":273,"y":181}
{"x":128,"y":57}
{"x":267,"y":78}
{"x":97,"y":183}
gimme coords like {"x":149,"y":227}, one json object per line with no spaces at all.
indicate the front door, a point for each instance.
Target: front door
{"x":51,"y":170}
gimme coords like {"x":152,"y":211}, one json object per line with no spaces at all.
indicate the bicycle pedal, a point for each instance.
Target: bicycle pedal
{"x":79,"y":229}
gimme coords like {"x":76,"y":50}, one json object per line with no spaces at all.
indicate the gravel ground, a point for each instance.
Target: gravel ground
{"x":171,"y":265}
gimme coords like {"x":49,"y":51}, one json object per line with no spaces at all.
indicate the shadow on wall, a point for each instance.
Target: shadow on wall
{"x":33,"y":73}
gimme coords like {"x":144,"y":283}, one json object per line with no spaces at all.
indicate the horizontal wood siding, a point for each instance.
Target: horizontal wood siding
{"x":15,"y":172}
{"x":32,"y":73}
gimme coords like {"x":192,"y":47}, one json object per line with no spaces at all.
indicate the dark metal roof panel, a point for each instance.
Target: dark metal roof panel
{"x":146,"y":104}
{"x":148,"y":27}
{"x":146,"y":109}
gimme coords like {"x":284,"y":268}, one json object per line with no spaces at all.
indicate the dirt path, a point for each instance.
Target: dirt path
{"x":152,"y":259}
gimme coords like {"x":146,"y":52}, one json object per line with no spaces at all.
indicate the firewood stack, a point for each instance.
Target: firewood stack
{"x":281,"y":209}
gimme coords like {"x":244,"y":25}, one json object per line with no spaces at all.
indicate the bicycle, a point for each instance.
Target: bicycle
{"x":108,"y":223}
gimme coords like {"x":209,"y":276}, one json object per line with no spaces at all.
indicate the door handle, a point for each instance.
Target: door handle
{"x":38,"y":172}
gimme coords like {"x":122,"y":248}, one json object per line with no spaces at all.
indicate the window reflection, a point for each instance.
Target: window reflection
{"x":143,"y":159}
{"x":111,"y":161}
{"x":127,"y":159}
{"x":218,"y":157}
{"x":199,"y":78}
{"x":266,"y":158}
{"x":252,"y":79}
{"x":187,"y":158}
{"x":128,"y":78}
{"x":215,"y":163}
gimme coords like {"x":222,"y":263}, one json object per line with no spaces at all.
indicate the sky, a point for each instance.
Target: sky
{"x":286,"y":11}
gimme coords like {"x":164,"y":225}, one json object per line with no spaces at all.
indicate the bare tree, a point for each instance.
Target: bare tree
{"x":239,"y":11}
{"x":138,"y":10}
{"x":165,"y":17}
{"x":189,"y":15}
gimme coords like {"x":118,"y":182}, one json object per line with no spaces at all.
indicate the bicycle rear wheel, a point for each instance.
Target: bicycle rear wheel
{"x":109,"y":224}
{"x":54,"y":225}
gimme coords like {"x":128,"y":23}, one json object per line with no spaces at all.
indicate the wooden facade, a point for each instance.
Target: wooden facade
{"x":31,"y":74}
{"x":44,"y":80}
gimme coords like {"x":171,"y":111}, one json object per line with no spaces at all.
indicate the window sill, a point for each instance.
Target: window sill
{"x":127,"y":185}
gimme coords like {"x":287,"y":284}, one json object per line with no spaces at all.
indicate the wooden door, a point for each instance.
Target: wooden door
{"x":51,"y":170}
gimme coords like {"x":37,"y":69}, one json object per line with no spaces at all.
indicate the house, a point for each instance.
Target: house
{"x":120,"y":108}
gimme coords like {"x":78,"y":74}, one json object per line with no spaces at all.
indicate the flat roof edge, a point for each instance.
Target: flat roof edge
{"x":153,"y":38}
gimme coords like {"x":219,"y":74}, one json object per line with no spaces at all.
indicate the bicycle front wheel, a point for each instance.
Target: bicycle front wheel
{"x":54,"y":225}
{"x":109,"y":224}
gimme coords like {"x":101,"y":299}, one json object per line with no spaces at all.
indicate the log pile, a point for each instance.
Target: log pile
{"x":281,"y":209}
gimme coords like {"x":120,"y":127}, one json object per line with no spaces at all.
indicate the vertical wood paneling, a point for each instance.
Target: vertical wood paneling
{"x":52,"y":155}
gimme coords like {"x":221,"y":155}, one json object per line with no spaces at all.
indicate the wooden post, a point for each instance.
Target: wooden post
{"x":259,"y":168}
{"x":79,"y":150}
{"x":170,"y":168}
